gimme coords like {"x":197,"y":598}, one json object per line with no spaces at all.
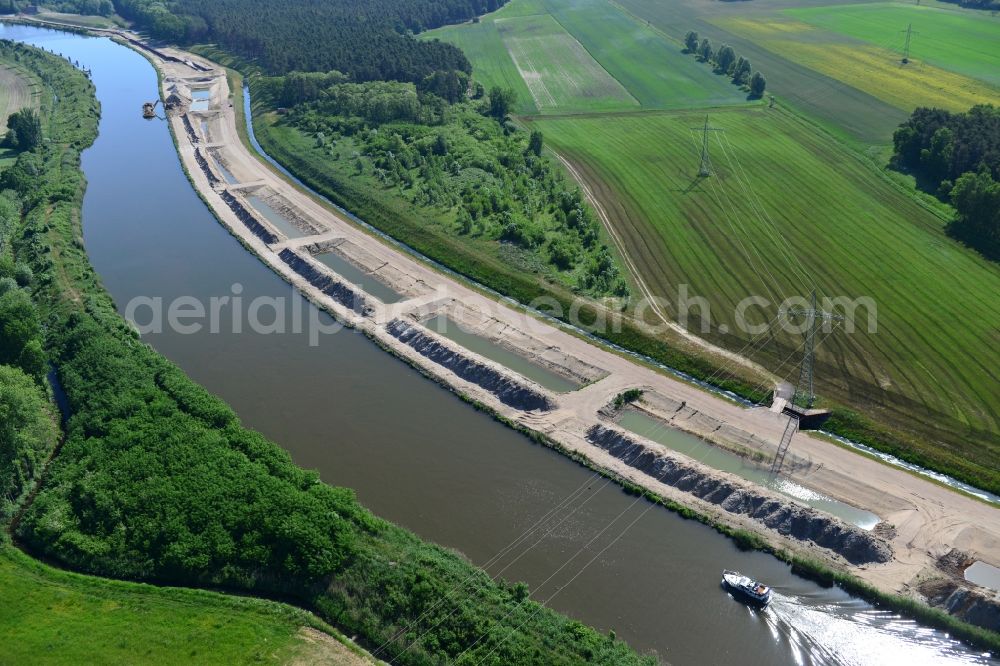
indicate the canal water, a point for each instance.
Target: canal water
{"x":366,"y":281}
{"x":449,"y":328}
{"x":698,"y":449}
{"x":419,"y":456}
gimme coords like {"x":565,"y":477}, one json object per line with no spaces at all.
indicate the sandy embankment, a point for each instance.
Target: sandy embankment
{"x":924,"y":521}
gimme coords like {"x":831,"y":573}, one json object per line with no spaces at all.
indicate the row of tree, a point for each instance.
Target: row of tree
{"x":298,"y":87}
{"x":365,"y":39}
{"x":957,"y":157}
{"x":727,"y":62}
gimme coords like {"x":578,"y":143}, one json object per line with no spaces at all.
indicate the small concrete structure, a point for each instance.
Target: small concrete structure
{"x":809,"y":419}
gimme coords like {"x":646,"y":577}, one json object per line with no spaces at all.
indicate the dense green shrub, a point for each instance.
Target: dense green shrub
{"x":27,"y":435}
{"x":479,"y":179}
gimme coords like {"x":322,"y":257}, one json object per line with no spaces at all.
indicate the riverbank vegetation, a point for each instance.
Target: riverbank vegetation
{"x":156,"y":479}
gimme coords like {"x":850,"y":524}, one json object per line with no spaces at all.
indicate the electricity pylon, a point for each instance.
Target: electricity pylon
{"x":804,"y":389}
{"x":906,"y":47}
{"x":705,"y":169}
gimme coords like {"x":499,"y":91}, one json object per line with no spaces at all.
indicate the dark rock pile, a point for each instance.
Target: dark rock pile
{"x":189,"y":129}
{"x":509,"y":392}
{"x":338,"y":291}
{"x":854,"y":544}
{"x":203,"y":163}
{"x":247,"y":218}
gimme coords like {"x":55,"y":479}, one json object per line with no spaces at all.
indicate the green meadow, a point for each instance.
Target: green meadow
{"x":563,"y":56}
{"x":485,"y":49}
{"x":57,"y":617}
{"x":558,"y":71}
{"x":788,"y":209}
{"x":962,"y":41}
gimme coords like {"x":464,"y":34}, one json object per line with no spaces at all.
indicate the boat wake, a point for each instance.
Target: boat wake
{"x":852,"y":633}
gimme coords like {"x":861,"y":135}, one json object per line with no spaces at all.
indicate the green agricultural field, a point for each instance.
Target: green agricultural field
{"x":565,"y":56}
{"x":649,"y":65}
{"x":483,"y":46}
{"x":789,"y":207}
{"x":18,"y":89}
{"x":559,"y":72}
{"x":57,"y":617}
{"x":874,"y":69}
{"x":962,"y":41}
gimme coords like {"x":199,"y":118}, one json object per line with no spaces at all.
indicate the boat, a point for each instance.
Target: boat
{"x":746,"y":589}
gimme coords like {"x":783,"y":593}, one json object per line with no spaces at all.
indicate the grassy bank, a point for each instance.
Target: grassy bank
{"x":158,"y":481}
{"x":58,"y":617}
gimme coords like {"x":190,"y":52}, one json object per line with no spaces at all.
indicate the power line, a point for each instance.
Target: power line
{"x":906,"y":48}
{"x":757,"y":206}
{"x":752,"y":345}
{"x":543,"y":604}
{"x":804,"y":388}
{"x":705,"y":169}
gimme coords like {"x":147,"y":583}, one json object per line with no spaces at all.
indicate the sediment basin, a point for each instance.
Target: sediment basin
{"x":447,"y":327}
{"x":716,"y":458}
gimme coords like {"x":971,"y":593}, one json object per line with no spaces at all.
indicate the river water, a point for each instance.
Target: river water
{"x":419,"y":456}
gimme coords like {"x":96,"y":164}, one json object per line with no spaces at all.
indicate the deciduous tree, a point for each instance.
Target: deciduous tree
{"x":691,"y":42}
{"x":725,"y":59}
{"x":535,"y":143}
{"x":24,"y":130}
{"x":501,"y":101}
{"x":705,"y":51}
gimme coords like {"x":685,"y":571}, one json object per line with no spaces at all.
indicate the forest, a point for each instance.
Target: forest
{"x":157,"y":480}
{"x":464,"y":165}
{"x":367,"y":39}
{"x":957,"y":157}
